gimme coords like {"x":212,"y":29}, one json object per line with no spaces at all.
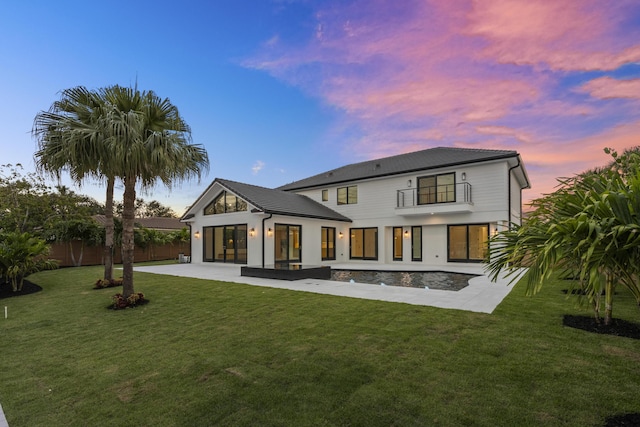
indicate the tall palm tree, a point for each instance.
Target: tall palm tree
{"x":151,"y":142}
{"x":72,"y":137}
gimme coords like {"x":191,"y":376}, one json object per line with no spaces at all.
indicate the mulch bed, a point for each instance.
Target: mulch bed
{"x":618,"y":327}
{"x":6,"y":291}
{"x":624,"y":420}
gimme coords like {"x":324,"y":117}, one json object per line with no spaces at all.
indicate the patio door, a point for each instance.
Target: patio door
{"x":288,"y":244}
{"x":227,"y":243}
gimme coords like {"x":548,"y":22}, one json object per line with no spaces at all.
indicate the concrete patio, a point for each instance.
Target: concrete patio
{"x":481,"y":296}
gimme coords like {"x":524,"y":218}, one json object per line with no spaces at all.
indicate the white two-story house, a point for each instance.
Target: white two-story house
{"x":427,"y":208}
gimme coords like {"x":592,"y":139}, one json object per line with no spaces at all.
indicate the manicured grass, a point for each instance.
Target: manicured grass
{"x":213,"y":353}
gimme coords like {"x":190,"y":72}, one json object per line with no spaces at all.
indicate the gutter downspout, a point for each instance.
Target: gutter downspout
{"x":509,"y":191}
{"x":264,"y":235}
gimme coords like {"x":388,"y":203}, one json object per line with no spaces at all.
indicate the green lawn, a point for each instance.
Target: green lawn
{"x":213,"y":353}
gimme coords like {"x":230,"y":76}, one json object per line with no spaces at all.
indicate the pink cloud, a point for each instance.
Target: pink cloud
{"x":607,"y":88}
{"x":487,"y":73}
{"x":560,"y":34}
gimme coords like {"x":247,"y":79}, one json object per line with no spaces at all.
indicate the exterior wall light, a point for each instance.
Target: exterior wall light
{"x":269,"y":232}
{"x":196,"y":234}
{"x":252,"y":232}
{"x":406,"y":234}
{"x":340,"y":235}
{"x":463,"y":176}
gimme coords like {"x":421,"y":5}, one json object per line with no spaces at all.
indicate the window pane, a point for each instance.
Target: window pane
{"x":446,"y":188}
{"x":331,"y":243}
{"x":219,"y":204}
{"x":416,"y":243}
{"x":352,"y":195}
{"x":218,"y":243}
{"x":294,"y":243}
{"x":342,"y":196}
{"x":230,"y":203}
{"x":241,"y":205}
{"x":426,"y":190}
{"x":478,"y":242}
{"x":241,"y":244}
{"x":210,"y":209}
{"x":397,"y":243}
{"x":208,"y":243}
{"x":458,"y":242}
{"x":325,"y":195}
{"x":356,"y":244}
{"x":370,"y":243}
{"x":281,"y":237}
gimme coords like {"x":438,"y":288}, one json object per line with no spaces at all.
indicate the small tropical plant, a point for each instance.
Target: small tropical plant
{"x":20,"y":255}
{"x":589,"y":228}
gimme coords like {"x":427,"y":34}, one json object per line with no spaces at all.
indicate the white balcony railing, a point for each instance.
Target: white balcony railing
{"x":436,"y":199}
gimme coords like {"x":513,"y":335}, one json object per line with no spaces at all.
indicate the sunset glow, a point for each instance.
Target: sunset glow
{"x":281,"y":90}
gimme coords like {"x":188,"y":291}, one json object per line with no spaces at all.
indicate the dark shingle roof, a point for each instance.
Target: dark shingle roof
{"x":157,"y":223}
{"x":281,"y":202}
{"x":403,"y":163}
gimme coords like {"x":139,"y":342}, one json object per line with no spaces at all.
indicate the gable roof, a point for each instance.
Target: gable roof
{"x":403,"y":163}
{"x":273,"y":201}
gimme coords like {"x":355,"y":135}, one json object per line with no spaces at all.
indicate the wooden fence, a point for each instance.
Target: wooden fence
{"x":92,"y":255}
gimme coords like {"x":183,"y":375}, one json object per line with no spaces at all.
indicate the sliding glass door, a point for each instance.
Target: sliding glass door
{"x":227,"y":243}
{"x":288,"y":244}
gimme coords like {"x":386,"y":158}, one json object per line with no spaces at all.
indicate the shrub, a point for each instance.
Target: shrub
{"x":20,"y":255}
{"x":111,"y":283}
{"x":119,"y":302}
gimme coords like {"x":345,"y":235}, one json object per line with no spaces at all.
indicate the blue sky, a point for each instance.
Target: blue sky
{"x":283,"y":89}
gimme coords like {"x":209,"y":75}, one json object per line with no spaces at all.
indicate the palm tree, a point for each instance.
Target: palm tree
{"x":72,"y":137}
{"x":151,"y":143}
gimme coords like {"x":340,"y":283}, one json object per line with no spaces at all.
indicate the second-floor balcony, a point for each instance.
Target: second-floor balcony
{"x":441,"y":199}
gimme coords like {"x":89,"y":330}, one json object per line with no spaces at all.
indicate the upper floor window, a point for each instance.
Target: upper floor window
{"x":225,"y":202}
{"x":437,"y":189}
{"x":325,"y":195}
{"x":348,"y":195}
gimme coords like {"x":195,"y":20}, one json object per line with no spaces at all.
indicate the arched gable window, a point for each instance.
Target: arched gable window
{"x":225,"y":202}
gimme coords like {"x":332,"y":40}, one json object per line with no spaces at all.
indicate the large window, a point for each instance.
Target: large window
{"x":468,"y":243}
{"x":328,"y":239}
{"x":397,"y":243}
{"x":416,"y":243}
{"x":288,"y":243}
{"x":227,"y":243}
{"x":437,"y":189}
{"x":348,"y":195}
{"x":363,"y":243}
{"x":225,"y":202}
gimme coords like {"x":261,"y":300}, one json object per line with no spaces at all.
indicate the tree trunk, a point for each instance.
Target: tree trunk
{"x":608,"y":300}
{"x":128,"y":246}
{"x":73,"y":257}
{"x":109,"y":231}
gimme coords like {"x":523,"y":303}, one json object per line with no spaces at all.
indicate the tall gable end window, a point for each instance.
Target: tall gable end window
{"x":348,"y":195}
{"x":437,"y":189}
{"x":225,"y":203}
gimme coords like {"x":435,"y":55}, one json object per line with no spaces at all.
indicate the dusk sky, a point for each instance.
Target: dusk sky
{"x":281,"y":90}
